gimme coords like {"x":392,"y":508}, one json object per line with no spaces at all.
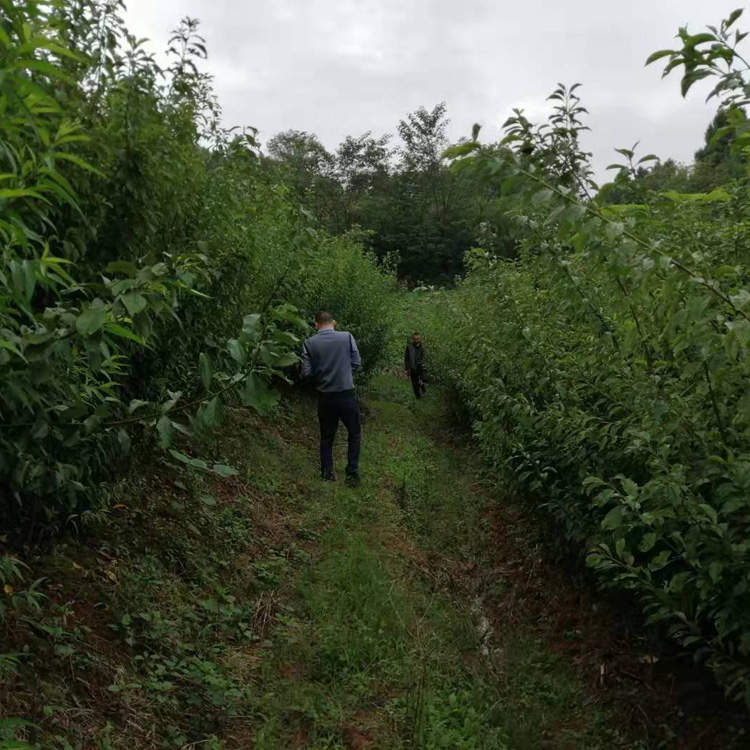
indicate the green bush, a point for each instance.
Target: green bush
{"x":607,"y":373}
{"x":150,"y":265}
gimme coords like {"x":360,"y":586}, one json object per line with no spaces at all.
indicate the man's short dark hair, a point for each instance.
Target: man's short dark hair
{"x":324,"y":316}
{"x":416,"y":333}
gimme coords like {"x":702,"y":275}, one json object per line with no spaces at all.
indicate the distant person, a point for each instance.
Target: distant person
{"x":415,"y":364}
{"x":330,"y":357}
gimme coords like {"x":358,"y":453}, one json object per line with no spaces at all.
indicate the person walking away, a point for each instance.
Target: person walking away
{"x":331,"y":356}
{"x":415,"y":364}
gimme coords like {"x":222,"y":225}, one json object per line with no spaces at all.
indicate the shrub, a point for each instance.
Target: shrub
{"x":607,"y":372}
{"x":138,"y":236}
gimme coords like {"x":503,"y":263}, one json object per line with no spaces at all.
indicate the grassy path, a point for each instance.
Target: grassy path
{"x":269,"y":611}
{"x":384,"y":644}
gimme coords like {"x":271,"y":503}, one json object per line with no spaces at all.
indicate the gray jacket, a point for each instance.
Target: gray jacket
{"x":331,"y":356}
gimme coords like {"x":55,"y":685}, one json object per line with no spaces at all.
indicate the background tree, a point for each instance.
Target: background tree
{"x":405,"y":197}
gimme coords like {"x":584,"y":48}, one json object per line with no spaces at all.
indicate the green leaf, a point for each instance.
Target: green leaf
{"x":614,"y":230}
{"x":613,"y":519}
{"x":206,"y":369}
{"x":44,"y":67}
{"x":166,"y":431}
{"x":740,"y":299}
{"x":285,"y":360}
{"x":733,"y":16}
{"x":460,"y":149}
{"x":73,"y":159}
{"x":9,"y":193}
{"x":259,"y":396}
{"x":702,"y":38}
{"x":224,"y":471}
{"x":170,"y":403}
{"x":251,"y":326}
{"x":678,"y":582}
{"x":209,"y":414}
{"x":591,"y":482}
{"x":692,"y":78}
{"x":134,"y":303}
{"x":124,"y":440}
{"x":542,"y":197}
{"x":179,"y":456}
{"x":710,"y":512}
{"x":654,"y":56}
{"x":117,"y":330}
{"x":10,"y":347}
{"x":630,"y":487}
{"x":661,"y":559}
{"x":91,"y":320}
{"x":136,"y":404}
{"x":714,"y":571}
{"x":289,"y":314}
{"x":237,"y":351}
{"x":122,"y":266}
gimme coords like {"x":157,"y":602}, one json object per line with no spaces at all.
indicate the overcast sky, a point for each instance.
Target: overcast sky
{"x":342,"y":67}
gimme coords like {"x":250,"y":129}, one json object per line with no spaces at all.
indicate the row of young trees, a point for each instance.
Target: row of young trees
{"x":606,"y":367}
{"x":153,"y":274}
{"x":150,"y":267}
{"x":409,"y":205}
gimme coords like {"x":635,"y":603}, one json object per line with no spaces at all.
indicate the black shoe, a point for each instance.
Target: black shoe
{"x":328,"y":476}
{"x":353,"y":480}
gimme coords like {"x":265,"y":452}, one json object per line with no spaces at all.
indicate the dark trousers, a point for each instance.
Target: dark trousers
{"x":331,"y":409}
{"x":419,"y":382}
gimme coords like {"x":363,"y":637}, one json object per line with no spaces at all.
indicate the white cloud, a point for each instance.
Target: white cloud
{"x":338,"y":67}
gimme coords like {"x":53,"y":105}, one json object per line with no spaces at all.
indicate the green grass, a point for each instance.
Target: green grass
{"x":275,"y":611}
{"x":379,"y":647}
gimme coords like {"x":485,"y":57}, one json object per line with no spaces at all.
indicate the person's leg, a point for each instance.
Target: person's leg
{"x":350,"y":416}
{"x":415,"y":384}
{"x":328,"y":418}
{"x":422,"y":381}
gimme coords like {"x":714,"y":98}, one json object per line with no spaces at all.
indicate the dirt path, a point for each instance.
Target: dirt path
{"x":432,"y":617}
{"x":272,"y":611}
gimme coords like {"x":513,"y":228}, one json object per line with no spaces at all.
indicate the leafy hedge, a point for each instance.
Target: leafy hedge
{"x":150,"y":267}
{"x":607,"y":372}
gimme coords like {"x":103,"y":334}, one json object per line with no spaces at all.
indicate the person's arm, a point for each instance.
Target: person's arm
{"x":354,"y":352}
{"x":406,"y":358}
{"x":307,"y":366}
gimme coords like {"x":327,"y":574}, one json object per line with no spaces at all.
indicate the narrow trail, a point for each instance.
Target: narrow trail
{"x":427,"y":618}
{"x":271,"y":611}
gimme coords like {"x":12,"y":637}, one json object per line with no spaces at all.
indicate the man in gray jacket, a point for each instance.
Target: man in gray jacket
{"x":330,"y":357}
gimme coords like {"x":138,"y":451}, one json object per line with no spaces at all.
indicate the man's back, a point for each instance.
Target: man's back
{"x":415,"y":356}
{"x":331,"y":356}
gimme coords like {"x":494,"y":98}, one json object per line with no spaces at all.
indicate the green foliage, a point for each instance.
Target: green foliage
{"x":607,"y":373}
{"x":716,"y":163}
{"x":9,"y":730}
{"x":412,"y":209}
{"x":137,"y":235}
